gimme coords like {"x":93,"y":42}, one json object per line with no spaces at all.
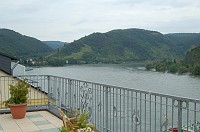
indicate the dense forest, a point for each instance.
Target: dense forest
{"x":21,"y":46}
{"x":126,"y":45}
{"x":191,"y":64}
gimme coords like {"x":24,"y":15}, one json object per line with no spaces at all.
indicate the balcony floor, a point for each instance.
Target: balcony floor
{"x":40,"y":121}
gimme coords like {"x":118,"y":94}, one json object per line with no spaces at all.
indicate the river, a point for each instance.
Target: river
{"x":132,"y":76}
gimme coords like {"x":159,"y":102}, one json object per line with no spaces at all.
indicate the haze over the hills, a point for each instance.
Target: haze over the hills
{"x":54,"y":44}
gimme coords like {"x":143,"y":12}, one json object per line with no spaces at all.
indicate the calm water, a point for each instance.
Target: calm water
{"x":131,"y":76}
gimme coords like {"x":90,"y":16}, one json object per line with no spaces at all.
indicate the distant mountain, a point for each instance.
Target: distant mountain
{"x":182,"y":42}
{"x":127,"y":45}
{"x":55,"y":44}
{"x":115,"y":46}
{"x":19,"y":45}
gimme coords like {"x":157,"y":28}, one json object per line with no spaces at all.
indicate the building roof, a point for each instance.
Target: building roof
{"x":3,"y":73}
{"x":6,"y":55}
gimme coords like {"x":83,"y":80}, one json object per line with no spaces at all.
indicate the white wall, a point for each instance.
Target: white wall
{"x":19,"y":69}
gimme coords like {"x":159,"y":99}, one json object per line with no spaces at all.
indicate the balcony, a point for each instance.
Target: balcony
{"x":111,"y":108}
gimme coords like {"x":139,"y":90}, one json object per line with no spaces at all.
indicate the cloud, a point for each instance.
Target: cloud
{"x":72,"y":19}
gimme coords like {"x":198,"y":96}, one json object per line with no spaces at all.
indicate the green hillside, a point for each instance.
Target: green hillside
{"x":193,"y":56}
{"x":127,"y":45}
{"x":191,"y":63}
{"x":193,"y":60}
{"x":19,"y":45}
{"x":182,"y":42}
{"x":116,"y":46}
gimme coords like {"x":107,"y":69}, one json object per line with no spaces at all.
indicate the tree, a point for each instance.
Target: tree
{"x":195,"y":70}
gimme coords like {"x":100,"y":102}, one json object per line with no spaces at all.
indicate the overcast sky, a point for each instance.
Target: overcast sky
{"x":68,"y":20}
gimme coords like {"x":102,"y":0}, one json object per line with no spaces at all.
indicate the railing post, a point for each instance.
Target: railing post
{"x":180,"y":115}
{"x":106,"y":108}
{"x":49,"y":92}
{"x":70,"y":89}
{"x":0,"y":96}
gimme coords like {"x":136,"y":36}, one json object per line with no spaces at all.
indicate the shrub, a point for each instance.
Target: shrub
{"x":173,"y":68}
{"x":195,"y":70}
{"x":182,"y":69}
{"x":18,"y":93}
{"x":149,"y":65}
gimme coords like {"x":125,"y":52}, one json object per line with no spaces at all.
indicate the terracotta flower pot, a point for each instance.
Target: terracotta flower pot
{"x":18,"y":111}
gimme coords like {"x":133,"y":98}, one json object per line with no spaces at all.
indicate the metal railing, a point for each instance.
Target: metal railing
{"x":111,"y":108}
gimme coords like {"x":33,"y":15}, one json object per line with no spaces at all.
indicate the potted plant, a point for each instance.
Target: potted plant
{"x":83,"y":125}
{"x":18,"y":100}
{"x":73,"y":121}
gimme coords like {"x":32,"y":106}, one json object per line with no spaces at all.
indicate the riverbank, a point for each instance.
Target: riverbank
{"x":174,"y":66}
{"x":129,"y":63}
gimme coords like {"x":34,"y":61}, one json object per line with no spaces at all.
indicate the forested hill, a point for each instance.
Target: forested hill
{"x":182,"y":42}
{"x":193,"y":56}
{"x":16,"y":44}
{"x":115,"y":46}
{"x":127,"y":45}
{"x":191,"y":64}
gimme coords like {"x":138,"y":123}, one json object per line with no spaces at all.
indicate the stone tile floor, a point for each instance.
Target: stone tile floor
{"x":40,"y":121}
